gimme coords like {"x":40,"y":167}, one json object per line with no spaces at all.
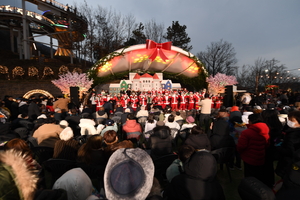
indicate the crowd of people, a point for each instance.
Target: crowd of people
{"x":132,"y":135}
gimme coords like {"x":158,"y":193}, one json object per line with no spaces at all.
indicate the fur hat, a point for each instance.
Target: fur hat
{"x":190,"y":119}
{"x":129,"y":174}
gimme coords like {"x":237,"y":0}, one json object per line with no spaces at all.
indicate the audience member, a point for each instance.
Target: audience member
{"x":171,"y":123}
{"x":129,"y":174}
{"x":132,"y":128}
{"x":160,"y":142}
{"x":252,"y":145}
{"x":66,"y":149}
{"x":150,"y":123}
{"x":190,"y":123}
{"x":176,"y":168}
{"x":109,"y":125}
{"x":290,"y":145}
{"x":48,"y":133}
{"x":198,"y":139}
{"x":91,"y":152}
{"x":199,"y":180}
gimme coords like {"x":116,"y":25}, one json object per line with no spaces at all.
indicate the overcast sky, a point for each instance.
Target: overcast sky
{"x":256,"y":28}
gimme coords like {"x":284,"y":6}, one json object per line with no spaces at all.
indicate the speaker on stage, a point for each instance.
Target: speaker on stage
{"x":228,"y":98}
{"x":74,"y":95}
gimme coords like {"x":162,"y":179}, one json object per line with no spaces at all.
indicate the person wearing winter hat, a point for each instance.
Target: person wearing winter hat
{"x":77,"y":184}
{"x":109,"y":125}
{"x":198,"y":139}
{"x":128,"y":175}
{"x":67,"y":133}
{"x":235,"y":111}
{"x":199,"y":180}
{"x":47,"y":134}
{"x":190,"y":123}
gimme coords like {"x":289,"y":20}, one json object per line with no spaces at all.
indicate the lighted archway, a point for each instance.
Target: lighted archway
{"x":37,"y":91}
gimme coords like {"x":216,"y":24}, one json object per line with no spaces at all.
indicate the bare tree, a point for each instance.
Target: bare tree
{"x":264,"y":72}
{"x":243,"y":77}
{"x":90,"y":36}
{"x":130,"y":25}
{"x":154,"y":31}
{"x":275,"y":73}
{"x":219,"y":57}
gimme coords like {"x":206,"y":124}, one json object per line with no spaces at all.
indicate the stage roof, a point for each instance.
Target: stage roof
{"x":141,"y":57}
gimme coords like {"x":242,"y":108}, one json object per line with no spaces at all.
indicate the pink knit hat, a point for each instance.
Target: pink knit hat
{"x":190,"y":119}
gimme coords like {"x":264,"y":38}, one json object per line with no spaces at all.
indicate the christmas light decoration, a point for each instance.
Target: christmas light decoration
{"x":18,"y":71}
{"x":74,"y":79}
{"x":218,"y":82}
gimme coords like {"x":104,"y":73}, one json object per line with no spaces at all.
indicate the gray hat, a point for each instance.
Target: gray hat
{"x":128,"y":174}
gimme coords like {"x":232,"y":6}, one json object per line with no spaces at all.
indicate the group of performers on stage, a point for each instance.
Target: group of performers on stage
{"x":177,"y":100}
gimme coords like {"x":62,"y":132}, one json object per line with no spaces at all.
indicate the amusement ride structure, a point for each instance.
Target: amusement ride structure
{"x":57,"y":21}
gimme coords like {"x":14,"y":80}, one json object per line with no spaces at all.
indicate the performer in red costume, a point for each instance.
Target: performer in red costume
{"x":134,"y":100}
{"x":174,"y":101}
{"x":159,"y":100}
{"x":182,"y":101}
{"x":166,"y":99}
{"x":191,"y":101}
{"x":213,"y":98}
{"x":197,"y":98}
{"x":97,"y":100}
{"x":125,"y":100}
{"x":143,"y":100}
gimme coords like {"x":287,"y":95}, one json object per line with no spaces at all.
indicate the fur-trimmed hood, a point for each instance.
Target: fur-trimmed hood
{"x":15,"y":173}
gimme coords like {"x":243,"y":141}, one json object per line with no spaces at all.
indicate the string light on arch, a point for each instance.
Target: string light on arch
{"x":37,"y":91}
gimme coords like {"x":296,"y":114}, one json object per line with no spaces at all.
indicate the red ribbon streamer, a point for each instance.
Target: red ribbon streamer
{"x":158,"y":49}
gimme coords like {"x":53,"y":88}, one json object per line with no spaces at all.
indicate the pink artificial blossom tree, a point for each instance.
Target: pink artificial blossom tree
{"x":218,"y":82}
{"x":74,"y":79}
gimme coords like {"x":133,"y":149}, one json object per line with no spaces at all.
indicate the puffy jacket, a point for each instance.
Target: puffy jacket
{"x":131,"y":126}
{"x":253,"y":142}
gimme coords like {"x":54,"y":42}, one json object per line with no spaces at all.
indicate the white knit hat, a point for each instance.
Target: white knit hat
{"x":66,"y":134}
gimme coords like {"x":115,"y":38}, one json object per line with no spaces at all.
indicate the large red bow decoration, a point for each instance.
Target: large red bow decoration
{"x":158,"y":49}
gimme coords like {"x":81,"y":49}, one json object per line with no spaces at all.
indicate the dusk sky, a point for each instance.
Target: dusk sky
{"x":257,"y":29}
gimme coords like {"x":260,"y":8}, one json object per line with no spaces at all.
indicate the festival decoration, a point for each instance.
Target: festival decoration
{"x":272,"y":87}
{"x":63,"y":70}
{"x":37,"y":91}
{"x":218,"y":82}
{"x":158,"y":49}
{"x":33,"y":71}
{"x":18,"y":71}
{"x":4,"y":71}
{"x":74,"y":79}
{"x":47,"y":72}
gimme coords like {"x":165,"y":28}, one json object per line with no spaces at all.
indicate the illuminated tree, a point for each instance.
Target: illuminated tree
{"x":74,"y":79}
{"x":218,"y":82}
